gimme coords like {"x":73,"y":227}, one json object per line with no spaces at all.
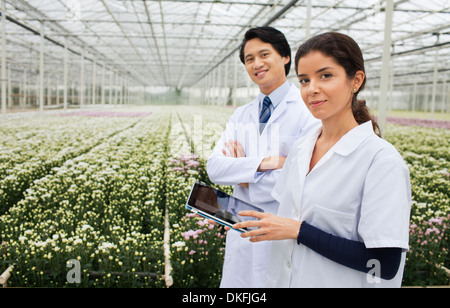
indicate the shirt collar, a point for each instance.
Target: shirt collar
{"x":349,"y":142}
{"x":353,"y":139}
{"x":277,"y":95}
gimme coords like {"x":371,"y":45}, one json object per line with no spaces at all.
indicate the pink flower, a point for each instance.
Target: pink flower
{"x":189,"y":233}
{"x":202,"y":223}
{"x":192,"y":163}
{"x":191,"y":252}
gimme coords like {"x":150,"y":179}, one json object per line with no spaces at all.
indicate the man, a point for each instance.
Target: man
{"x":254,"y":146}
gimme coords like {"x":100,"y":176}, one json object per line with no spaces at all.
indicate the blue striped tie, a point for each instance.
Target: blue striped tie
{"x":265,"y":114}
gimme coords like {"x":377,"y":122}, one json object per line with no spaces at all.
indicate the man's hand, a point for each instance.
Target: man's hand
{"x":235,"y":150}
{"x":272,"y":163}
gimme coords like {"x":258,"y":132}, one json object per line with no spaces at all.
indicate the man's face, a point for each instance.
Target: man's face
{"x":264,"y":65}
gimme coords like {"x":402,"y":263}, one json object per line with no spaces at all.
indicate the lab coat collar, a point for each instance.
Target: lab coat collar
{"x":352,"y":140}
{"x":348,"y":143}
{"x":292,"y":96}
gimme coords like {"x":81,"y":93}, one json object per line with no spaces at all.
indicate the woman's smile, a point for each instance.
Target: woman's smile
{"x":317,"y":103}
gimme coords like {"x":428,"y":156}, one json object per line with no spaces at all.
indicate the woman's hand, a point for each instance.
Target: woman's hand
{"x":270,"y":227}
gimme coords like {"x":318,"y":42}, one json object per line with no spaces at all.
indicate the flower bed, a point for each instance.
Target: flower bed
{"x":419,"y":122}
{"x":427,"y":154}
{"x":96,"y":190}
{"x":99,"y":209}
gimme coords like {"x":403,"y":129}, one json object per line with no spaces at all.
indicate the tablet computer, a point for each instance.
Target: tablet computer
{"x":214,"y":204}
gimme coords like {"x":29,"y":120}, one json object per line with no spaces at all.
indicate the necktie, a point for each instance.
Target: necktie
{"x":265,"y":114}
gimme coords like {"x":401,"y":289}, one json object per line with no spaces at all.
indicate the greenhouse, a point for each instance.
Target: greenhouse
{"x":111,"y":111}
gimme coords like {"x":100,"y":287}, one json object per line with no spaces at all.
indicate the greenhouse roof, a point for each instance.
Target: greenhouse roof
{"x":177,"y":43}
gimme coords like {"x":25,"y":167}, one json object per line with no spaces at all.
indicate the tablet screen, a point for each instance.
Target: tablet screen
{"x":219,"y":204}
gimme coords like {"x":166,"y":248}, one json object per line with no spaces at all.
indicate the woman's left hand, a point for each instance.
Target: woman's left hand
{"x":270,"y":227}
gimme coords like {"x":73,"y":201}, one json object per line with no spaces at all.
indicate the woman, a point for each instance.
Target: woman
{"x":344,"y":192}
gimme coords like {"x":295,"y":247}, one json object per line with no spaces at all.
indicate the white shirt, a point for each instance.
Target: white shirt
{"x":359,"y":190}
{"x":245,"y":262}
{"x":275,"y":97}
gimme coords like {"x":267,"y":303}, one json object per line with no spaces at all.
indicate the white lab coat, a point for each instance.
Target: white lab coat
{"x":360,"y":190}
{"x":246,"y":263}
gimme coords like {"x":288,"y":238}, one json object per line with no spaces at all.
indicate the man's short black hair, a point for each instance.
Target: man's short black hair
{"x":272,"y":36}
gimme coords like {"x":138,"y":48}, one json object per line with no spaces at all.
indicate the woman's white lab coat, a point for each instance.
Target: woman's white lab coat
{"x":246,"y":263}
{"x":360,"y":190}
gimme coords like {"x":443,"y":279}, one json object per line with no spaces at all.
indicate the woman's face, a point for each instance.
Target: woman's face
{"x":325,"y":87}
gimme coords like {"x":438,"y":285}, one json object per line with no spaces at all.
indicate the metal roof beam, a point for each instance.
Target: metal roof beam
{"x":271,"y":20}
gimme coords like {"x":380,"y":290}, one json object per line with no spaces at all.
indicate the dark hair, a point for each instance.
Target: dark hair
{"x":272,"y":36}
{"x":345,"y":51}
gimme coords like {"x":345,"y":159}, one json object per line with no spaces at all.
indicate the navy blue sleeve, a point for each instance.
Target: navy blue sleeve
{"x":350,"y":253}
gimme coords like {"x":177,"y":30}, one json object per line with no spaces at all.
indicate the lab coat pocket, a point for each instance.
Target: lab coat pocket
{"x":334,"y":222}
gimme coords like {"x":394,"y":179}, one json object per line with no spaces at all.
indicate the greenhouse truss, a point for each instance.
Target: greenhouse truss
{"x":110,"y":111}
{"x":114,"y":51}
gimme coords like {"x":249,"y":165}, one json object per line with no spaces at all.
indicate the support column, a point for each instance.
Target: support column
{"x":116,"y":81}
{"x":41,"y":71}
{"x":94,"y":73}
{"x":65,"y":76}
{"x":384,"y":82}
{"x":218,"y":84}
{"x":57,"y":92}
{"x":3,"y":58}
{"x":121,"y":91}
{"x":81,"y":94}
{"x":235,"y":81}
{"x":25,"y":88}
{"x":226,"y":89}
{"x":435,"y":76}
{"x":447,"y":109}
{"x":73,"y":93}
{"x":103,"y":84}
{"x":49,"y":92}
{"x":391,"y":88}
{"x":10,"y":89}
{"x":414,"y":97}
{"x":110,"y":87}
{"x":308,"y":20}
{"x":427,"y":97}
{"x":444,"y":92}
